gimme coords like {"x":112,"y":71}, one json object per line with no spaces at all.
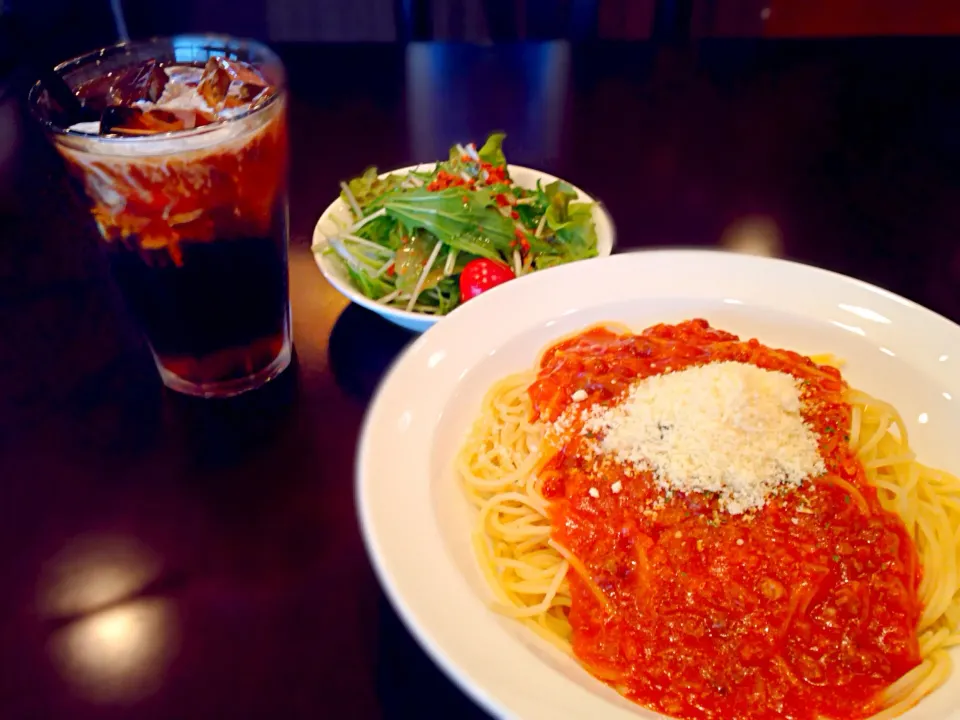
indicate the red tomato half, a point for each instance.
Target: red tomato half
{"x":480,"y":275}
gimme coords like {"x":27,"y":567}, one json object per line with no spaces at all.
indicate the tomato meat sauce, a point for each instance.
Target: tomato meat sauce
{"x":806,"y":608}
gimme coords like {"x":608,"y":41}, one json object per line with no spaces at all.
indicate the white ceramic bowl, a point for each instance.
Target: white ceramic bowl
{"x":418,"y":322}
{"x":417,"y":523}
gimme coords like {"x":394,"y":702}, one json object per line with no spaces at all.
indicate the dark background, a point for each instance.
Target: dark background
{"x":61,"y":28}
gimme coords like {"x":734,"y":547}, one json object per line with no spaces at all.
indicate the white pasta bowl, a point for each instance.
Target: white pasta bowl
{"x":417,"y":523}
{"x":415,"y":321}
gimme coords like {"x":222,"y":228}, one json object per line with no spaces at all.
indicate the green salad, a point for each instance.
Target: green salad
{"x":427,"y":241}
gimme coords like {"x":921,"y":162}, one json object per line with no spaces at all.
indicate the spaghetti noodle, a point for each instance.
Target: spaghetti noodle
{"x":837,"y":600}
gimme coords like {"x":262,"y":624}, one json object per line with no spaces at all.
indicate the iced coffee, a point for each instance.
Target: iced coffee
{"x":183,"y":155}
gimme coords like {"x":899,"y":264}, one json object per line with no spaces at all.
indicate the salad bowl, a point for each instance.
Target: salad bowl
{"x":336,"y":260}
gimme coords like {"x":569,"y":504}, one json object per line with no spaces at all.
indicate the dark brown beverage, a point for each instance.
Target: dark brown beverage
{"x":220,"y":315}
{"x":186,"y":170}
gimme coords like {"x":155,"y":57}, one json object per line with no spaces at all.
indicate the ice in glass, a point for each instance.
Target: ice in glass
{"x":183,"y":157}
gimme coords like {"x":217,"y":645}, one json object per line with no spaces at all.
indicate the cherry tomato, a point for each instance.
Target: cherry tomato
{"x":480,"y":275}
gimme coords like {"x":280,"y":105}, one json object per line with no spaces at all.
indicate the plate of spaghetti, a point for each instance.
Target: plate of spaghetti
{"x":688,"y":484}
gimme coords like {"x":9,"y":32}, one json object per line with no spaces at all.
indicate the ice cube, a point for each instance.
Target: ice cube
{"x":143,"y":82}
{"x":230,"y":83}
{"x":242,"y":93}
{"x":182,"y":86}
{"x":214,"y":84}
{"x":184,"y":75}
{"x":125,"y":120}
{"x":244,"y":73}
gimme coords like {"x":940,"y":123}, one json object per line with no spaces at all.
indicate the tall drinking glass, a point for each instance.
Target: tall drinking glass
{"x":185,"y":167}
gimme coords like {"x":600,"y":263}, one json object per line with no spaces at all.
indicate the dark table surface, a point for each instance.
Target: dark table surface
{"x":170,"y":558}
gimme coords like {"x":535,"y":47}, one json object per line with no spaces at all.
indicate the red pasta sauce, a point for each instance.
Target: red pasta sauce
{"x":805,"y":608}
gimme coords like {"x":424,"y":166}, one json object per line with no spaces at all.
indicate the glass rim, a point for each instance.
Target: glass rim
{"x":79,"y":60}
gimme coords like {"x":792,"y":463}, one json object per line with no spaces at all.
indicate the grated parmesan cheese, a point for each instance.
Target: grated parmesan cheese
{"x":728,"y":428}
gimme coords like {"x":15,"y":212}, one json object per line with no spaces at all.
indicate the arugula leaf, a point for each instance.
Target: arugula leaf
{"x":492,"y":150}
{"x":474,"y":244}
{"x":450,"y":213}
{"x":440,"y":213}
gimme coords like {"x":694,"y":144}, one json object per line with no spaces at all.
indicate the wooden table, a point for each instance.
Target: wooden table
{"x":162,"y":557}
